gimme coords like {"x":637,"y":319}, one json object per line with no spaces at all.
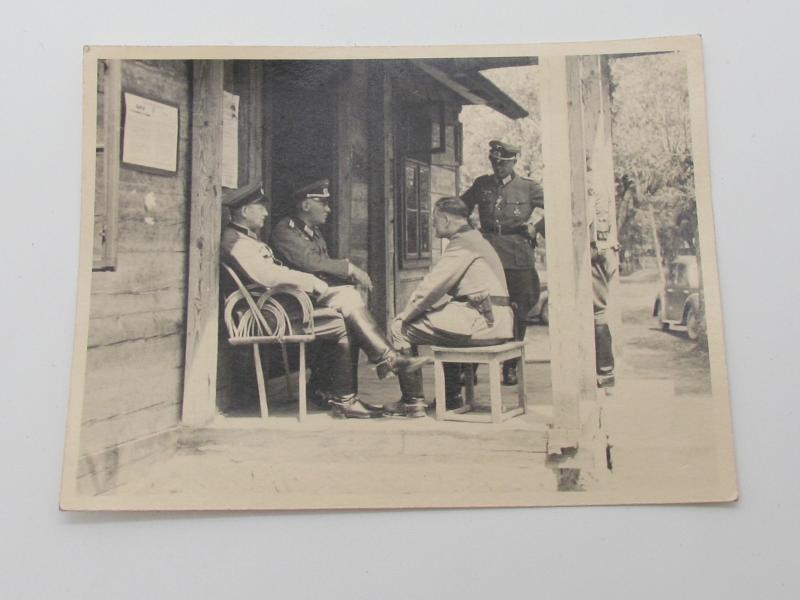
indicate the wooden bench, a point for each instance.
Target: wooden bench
{"x":493,"y":356}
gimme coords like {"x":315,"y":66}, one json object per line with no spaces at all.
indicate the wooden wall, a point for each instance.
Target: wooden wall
{"x":137,"y":315}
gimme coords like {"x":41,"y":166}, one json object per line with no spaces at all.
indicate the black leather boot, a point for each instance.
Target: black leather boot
{"x":412,"y":404}
{"x":371,"y":340}
{"x":510,"y":372}
{"x":454,"y":374}
{"x":350,"y":406}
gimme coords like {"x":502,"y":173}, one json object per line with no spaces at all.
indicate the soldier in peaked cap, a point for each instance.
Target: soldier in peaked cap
{"x":299,"y":243}
{"x":511,"y":214}
{"x":244,"y":251}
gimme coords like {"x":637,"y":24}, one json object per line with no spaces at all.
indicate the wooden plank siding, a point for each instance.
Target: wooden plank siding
{"x":134,"y":373}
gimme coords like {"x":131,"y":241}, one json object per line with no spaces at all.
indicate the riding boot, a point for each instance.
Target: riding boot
{"x":412,"y":404}
{"x":510,"y":372}
{"x":453,"y":380}
{"x":604,"y":355}
{"x":351,"y":406}
{"x":371,"y":340}
{"x":510,"y":366}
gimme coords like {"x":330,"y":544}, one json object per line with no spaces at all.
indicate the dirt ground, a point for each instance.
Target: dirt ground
{"x":650,"y":353}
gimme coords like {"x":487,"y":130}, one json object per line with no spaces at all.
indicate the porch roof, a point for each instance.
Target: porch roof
{"x":463,"y":77}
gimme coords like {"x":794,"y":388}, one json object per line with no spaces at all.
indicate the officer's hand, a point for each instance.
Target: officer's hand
{"x":320,"y":288}
{"x":360,"y":277}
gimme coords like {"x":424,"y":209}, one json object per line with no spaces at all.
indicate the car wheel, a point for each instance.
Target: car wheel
{"x":544,"y":315}
{"x":692,"y":324}
{"x":659,"y":310}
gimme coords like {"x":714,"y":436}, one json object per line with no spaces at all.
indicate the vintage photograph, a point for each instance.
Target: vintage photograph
{"x":323,"y":278}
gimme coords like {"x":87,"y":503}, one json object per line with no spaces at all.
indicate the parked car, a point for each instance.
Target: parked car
{"x":677,"y":305}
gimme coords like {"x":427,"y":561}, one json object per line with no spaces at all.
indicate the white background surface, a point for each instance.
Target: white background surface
{"x":742,"y":551}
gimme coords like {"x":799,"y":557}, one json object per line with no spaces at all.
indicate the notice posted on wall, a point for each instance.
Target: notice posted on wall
{"x":151,"y":134}
{"x":230,"y":140}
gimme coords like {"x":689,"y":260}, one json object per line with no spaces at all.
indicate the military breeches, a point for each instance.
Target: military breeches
{"x":602,"y":272}
{"x":344,"y":298}
{"x":420,"y":333}
{"x":523,"y":290}
{"x":330,"y":359}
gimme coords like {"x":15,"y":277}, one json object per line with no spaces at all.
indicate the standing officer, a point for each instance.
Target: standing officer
{"x":510,"y":207}
{"x":463,"y":301}
{"x":299,"y":243}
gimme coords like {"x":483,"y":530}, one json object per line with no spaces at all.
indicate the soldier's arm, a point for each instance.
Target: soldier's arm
{"x":305,"y":257}
{"x":444,"y":276}
{"x":472,"y":195}
{"x":537,"y":199}
{"x":263,"y":270}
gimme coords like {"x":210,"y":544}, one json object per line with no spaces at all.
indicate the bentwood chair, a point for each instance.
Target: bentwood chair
{"x":279,"y":315}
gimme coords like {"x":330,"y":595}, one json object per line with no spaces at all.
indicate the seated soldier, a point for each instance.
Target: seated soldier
{"x":299,"y":243}
{"x":251,"y":257}
{"x":463,"y":301}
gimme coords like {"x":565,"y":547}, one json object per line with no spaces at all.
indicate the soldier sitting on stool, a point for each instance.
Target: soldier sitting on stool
{"x":299,"y":243}
{"x":461,"y":302}
{"x":506,"y":203}
{"x":254,"y":259}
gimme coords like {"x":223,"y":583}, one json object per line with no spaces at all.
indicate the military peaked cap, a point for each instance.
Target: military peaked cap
{"x":503,"y":150}
{"x":249,"y":194}
{"x":317,"y":189}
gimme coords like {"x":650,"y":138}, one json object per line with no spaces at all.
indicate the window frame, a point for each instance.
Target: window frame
{"x":106,"y":258}
{"x":421,"y":258}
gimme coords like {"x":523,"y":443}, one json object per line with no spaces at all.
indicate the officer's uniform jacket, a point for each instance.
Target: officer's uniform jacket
{"x":303,"y":247}
{"x":504,"y":208}
{"x":254,"y":258}
{"x":468,"y":269}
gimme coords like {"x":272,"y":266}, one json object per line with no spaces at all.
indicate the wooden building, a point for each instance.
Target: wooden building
{"x":386,"y":132}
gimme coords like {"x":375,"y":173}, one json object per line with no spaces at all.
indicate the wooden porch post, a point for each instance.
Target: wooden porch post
{"x":200,"y":372}
{"x":381,"y":205}
{"x":568,"y":258}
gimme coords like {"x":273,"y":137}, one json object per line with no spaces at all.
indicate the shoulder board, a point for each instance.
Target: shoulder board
{"x":527,"y":178}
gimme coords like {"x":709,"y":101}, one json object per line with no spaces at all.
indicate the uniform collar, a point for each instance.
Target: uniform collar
{"x":507,"y":179}
{"x":297,"y":222}
{"x":462,"y":230}
{"x":243,"y":229}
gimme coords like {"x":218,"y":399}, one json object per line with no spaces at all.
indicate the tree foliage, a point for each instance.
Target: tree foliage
{"x":482,"y":124}
{"x":651,"y":136}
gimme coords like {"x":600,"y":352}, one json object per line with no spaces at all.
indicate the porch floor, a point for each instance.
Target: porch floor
{"x":660,"y":420}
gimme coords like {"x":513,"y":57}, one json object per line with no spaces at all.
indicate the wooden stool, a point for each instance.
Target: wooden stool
{"x":493,"y":356}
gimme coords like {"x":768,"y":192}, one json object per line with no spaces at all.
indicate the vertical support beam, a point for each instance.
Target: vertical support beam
{"x":256,"y":123}
{"x":569,"y":276}
{"x":267,"y":93}
{"x":380,"y":192}
{"x":342,"y":162}
{"x":200,"y":372}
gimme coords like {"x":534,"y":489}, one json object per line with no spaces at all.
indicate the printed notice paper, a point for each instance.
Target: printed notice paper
{"x":151,"y":134}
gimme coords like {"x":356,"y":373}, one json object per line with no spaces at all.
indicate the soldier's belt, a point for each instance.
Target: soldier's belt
{"x":510,"y":230}
{"x":496,"y":300}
